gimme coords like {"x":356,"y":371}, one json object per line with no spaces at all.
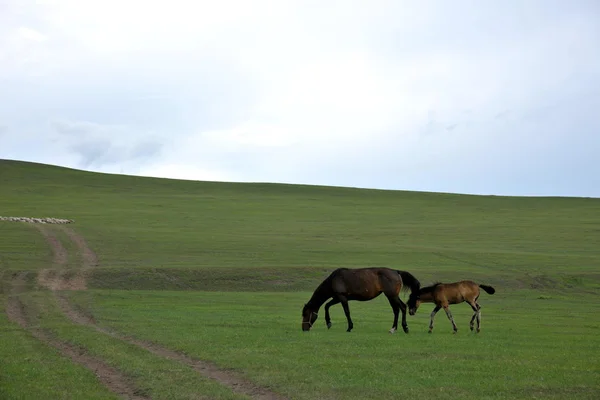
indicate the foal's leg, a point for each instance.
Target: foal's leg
{"x":394,"y":302}
{"x":435,"y":310}
{"x":327,"y":317}
{"x":344,"y":302}
{"x":475,"y":308}
{"x":478,"y":318}
{"x":449,"y":314}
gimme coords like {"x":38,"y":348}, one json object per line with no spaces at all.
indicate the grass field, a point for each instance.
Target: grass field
{"x":219,"y":272}
{"x":521,"y":353}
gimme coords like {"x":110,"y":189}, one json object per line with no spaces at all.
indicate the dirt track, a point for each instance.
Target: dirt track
{"x":111,"y":378}
{"x":52,"y":278}
{"x":55,"y":279}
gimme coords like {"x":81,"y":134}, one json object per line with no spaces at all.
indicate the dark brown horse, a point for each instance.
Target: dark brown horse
{"x":444,"y":294}
{"x":360,"y":284}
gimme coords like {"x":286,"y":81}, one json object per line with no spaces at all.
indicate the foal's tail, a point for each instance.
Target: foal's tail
{"x":488,"y":289}
{"x":409,"y":281}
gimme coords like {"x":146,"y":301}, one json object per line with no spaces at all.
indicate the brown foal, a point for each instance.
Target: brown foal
{"x":444,"y":294}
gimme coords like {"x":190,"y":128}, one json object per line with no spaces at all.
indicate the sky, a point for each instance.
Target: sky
{"x":494,"y":97}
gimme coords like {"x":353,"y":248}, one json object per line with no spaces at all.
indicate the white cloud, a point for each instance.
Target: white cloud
{"x":31,"y":34}
{"x":184,"y":171}
{"x":386,"y":93}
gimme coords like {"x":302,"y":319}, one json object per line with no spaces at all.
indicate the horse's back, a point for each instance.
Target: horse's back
{"x":367,"y":274}
{"x":469,"y":289}
{"x":456,"y":292}
{"x":365,"y":282}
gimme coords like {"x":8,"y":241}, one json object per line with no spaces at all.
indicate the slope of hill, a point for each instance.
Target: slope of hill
{"x":144,"y":233}
{"x":183,"y":226}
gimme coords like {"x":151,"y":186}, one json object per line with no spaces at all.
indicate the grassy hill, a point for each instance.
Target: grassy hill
{"x":220,"y":271}
{"x":183,"y":226}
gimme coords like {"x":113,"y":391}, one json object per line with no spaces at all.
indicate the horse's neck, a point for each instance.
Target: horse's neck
{"x":321,"y":294}
{"x":426,"y":297}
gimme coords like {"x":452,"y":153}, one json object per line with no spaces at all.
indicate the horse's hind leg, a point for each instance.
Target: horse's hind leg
{"x":478,"y":318}
{"x":475,"y":308}
{"x":449,"y":314}
{"x":327,"y":317}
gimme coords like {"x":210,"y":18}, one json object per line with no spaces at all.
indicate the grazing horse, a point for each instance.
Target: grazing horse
{"x":444,"y":294}
{"x":360,"y":284}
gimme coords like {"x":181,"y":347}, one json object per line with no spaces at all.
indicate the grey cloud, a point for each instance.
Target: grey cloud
{"x":103,"y":145}
{"x":431,"y":126}
{"x":435,"y":126}
{"x":75,"y":128}
{"x":502,"y":114}
{"x":146,"y":149}
{"x":97,"y":152}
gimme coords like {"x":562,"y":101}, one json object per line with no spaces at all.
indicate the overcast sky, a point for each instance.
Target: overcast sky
{"x":487,"y":97}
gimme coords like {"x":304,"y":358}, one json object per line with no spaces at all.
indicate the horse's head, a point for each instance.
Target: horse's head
{"x":309,"y":316}
{"x":413,"y":302}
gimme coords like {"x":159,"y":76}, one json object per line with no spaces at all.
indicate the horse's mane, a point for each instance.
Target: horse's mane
{"x":409,"y":281}
{"x":429,"y":289}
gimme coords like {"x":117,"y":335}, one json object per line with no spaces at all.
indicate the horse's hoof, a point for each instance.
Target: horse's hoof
{"x":328,"y":325}
{"x":454,"y":332}
{"x":405,"y":330}
{"x":430,"y":331}
{"x":393,"y":330}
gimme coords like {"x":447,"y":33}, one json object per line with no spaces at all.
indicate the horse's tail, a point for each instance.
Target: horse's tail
{"x":409,"y":281}
{"x":488,"y":289}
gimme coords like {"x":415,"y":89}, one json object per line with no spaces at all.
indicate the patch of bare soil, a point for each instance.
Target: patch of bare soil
{"x":237,"y":383}
{"x":60,"y":253}
{"x":107,"y":375}
{"x":55,"y":279}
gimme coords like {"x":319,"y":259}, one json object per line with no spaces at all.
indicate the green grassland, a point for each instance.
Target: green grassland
{"x":31,"y":370}
{"x":529,"y":346}
{"x":152,"y":375}
{"x":220,"y":271}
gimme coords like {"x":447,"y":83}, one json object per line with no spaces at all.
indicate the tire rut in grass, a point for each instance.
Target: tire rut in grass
{"x":14,"y":307}
{"x":54,"y":278}
{"x":235,"y":382}
{"x":111,"y":378}
{"x":90,"y":259}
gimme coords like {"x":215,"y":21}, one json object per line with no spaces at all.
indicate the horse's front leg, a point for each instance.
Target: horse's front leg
{"x":396,"y":308}
{"x":327,"y":317}
{"x":435,"y":310}
{"x":449,"y":314}
{"x":403,"y":309}
{"x":344,"y":302}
